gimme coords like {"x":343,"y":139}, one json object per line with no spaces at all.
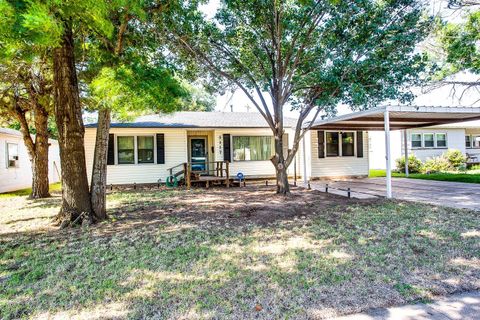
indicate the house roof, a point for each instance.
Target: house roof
{"x":401,"y":117}
{"x":462,"y":125}
{"x":16,"y":133}
{"x":10,"y":132}
{"x":199,"y":120}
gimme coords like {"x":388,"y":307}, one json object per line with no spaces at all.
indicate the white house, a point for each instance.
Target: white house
{"x":15,"y":168}
{"x":145,"y":150}
{"x":428,"y":142}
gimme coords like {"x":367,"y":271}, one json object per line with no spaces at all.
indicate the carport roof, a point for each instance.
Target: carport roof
{"x":401,"y":117}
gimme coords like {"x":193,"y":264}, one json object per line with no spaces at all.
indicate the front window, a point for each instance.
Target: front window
{"x":441,"y":140}
{"x":12,"y":155}
{"x":126,"y":152}
{"x":428,"y":140}
{"x":145,"y":149}
{"x":468,"y":142}
{"x":476,"y":141}
{"x":333,"y":149}
{"x":249,"y":148}
{"x":416,"y":140}
{"x":348,"y":144}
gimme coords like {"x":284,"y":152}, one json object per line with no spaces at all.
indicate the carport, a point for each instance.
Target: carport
{"x":388,"y":118}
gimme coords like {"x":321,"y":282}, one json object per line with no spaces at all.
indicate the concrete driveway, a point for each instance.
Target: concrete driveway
{"x":450,"y":194}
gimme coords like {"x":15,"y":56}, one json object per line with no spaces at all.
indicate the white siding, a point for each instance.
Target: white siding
{"x":175,"y":153}
{"x":248,"y":168}
{"x":337,"y":166}
{"x":376,"y":152}
{"x":12,"y":179}
{"x":473,"y":151}
{"x":455,"y":140}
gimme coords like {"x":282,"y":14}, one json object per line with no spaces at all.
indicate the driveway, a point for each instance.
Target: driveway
{"x":450,"y":194}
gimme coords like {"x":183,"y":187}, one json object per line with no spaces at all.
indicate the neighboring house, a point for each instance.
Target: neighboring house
{"x":143,"y":151}
{"x":429,"y":142}
{"x":15,"y":166}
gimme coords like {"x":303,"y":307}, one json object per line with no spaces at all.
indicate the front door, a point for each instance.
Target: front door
{"x":198,"y":154}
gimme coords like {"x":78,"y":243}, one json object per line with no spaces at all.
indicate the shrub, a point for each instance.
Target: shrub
{"x":456,"y":158}
{"x":414,"y":164}
{"x":437,"y":164}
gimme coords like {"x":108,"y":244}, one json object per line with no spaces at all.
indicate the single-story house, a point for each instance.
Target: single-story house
{"x":16,"y":168}
{"x":144,"y":151}
{"x":393,"y":118}
{"x":429,"y":142}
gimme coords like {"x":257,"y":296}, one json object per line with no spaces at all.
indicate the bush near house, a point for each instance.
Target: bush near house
{"x":414,"y":164}
{"x":456,"y":159}
{"x":437,"y":164}
{"x":452,"y":160}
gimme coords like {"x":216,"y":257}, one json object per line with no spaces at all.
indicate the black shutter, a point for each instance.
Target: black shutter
{"x":160,"y":148}
{"x":321,"y":144}
{"x":359,"y":144}
{"x":227,"y":154}
{"x":111,"y":149}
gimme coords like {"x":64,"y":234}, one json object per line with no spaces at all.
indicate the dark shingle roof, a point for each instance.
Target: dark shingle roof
{"x":199,"y":120}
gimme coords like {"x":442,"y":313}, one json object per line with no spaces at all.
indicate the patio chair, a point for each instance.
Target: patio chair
{"x":471,"y":158}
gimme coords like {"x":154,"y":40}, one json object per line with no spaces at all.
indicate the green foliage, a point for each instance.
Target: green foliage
{"x":199,"y":98}
{"x":437,"y":164}
{"x":449,"y":161}
{"x":456,"y":158}
{"x":356,"y":52}
{"x":129,"y":90}
{"x":469,"y":176}
{"x":459,"y":44}
{"x":52,"y":127}
{"x":452,"y":160}
{"x":414,"y":164}
{"x":32,"y":25}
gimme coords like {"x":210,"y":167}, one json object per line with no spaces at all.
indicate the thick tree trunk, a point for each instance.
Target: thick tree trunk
{"x":76,"y":203}
{"x":40,"y":183}
{"x":280,"y":166}
{"x":98,"y":185}
{"x":37,"y":151}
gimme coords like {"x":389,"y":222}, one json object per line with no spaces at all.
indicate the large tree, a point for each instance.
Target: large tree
{"x":306,"y":55}
{"x":127,"y":74}
{"x":26,"y":101}
{"x":51,"y":26}
{"x":455,"y":50}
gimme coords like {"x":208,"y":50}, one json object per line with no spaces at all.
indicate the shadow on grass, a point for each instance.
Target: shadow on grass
{"x":242,"y":255}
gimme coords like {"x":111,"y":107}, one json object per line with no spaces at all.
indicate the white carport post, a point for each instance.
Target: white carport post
{"x":386,"y":123}
{"x":405,"y":148}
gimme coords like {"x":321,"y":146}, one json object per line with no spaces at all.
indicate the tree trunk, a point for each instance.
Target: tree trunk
{"x":68,"y":116}
{"x":38,"y":150}
{"x":280,"y":166}
{"x":98,"y":185}
{"x":40,"y":183}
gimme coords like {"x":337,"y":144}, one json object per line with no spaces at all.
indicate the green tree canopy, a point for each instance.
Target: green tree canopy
{"x":308,"y":55}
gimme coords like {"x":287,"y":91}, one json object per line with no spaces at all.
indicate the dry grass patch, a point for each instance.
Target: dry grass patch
{"x":238,"y":253}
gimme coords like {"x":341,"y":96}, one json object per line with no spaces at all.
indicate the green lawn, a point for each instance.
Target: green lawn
{"x":238,"y":253}
{"x":54,"y":187}
{"x":470,"y":176}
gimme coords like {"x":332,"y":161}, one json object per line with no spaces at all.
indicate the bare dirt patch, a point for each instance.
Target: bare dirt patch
{"x":238,"y":253}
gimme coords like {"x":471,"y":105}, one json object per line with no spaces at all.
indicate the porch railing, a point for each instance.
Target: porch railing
{"x":213,"y":171}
